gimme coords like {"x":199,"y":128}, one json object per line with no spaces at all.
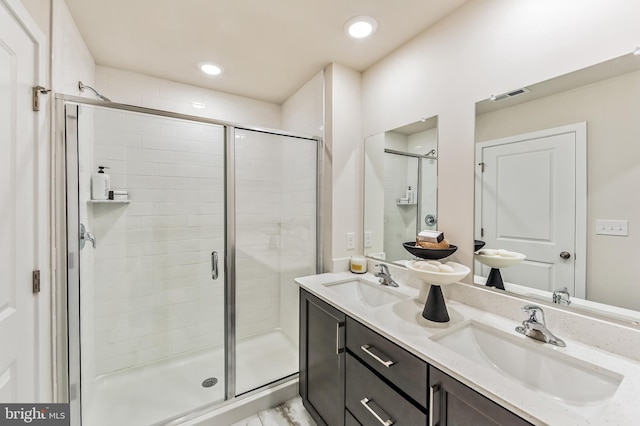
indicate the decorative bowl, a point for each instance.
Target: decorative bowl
{"x":498,"y":262}
{"x":439,"y":278}
{"x":430,"y":254}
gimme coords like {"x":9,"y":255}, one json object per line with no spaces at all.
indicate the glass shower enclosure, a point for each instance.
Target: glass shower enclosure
{"x":180,"y":285}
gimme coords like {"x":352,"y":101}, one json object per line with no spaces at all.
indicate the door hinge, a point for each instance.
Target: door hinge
{"x":481,"y":167}
{"x":481,"y":232}
{"x":36,"y":281}
{"x":36,"y":91}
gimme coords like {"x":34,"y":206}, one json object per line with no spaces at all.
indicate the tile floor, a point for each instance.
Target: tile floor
{"x":290,"y":413}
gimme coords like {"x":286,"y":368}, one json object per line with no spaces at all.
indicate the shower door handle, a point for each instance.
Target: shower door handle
{"x":214,"y":265}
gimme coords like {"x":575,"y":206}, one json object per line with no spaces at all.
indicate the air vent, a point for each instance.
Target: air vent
{"x":502,"y":97}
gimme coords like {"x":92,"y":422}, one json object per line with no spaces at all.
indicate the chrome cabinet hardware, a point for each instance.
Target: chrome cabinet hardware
{"x":387,"y":364}
{"x":365,"y":402}
{"x":433,"y":390}
{"x":338,"y":346}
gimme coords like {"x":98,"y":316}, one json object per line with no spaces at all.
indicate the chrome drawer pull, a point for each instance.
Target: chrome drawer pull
{"x":376,"y":357}
{"x":365,"y":402}
{"x":433,"y":390}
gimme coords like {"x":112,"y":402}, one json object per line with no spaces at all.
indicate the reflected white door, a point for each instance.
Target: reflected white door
{"x":528,"y":205}
{"x":18,"y":192}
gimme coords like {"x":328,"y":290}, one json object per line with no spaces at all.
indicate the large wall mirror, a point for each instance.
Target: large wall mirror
{"x":400,"y":188}
{"x":557,"y":175}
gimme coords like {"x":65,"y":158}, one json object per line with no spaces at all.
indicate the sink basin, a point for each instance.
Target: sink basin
{"x":580,"y":386}
{"x":370,"y":294}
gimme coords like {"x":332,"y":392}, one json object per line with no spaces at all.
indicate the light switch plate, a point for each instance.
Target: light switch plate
{"x":367,"y":238}
{"x":351,"y":240}
{"x":612,"y":227}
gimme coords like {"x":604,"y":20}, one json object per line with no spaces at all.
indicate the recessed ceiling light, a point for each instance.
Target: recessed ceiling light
{"x":210,"y":68}
{"x":360,"y":26}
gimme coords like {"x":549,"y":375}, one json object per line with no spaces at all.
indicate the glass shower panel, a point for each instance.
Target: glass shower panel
{"x":400,"y":213}
{"x":429,"y":194}
{"x":275,"y":241}
{"x":151,"y":313}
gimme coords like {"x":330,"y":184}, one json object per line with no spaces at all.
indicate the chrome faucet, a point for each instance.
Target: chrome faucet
{"x":385,"y":276}
{"x":562,"y":297}
{"x":537,"y":329}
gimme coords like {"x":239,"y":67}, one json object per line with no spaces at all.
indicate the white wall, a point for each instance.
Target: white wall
{"x":137,"y":89}
{"x":344,"y":161}
{"x":486,"y":47}
{"x":303,"y":112}
{"x":71,"y":59}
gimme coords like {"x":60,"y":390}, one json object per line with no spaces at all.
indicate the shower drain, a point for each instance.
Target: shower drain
{"x":207,"y":383}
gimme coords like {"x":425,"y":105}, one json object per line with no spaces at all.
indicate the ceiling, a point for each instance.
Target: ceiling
{"x":268,"y":48}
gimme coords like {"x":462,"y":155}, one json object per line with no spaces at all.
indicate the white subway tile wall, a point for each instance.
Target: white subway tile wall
{"x":153,"y":293}
{"x":154,"y":296}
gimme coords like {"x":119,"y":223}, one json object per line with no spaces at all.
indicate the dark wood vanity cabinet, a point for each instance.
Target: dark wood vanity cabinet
{"x":322,"y":360}
{"x":350,"y":375}
{"x":455,"y":404}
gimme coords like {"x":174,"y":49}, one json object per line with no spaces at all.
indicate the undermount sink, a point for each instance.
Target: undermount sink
{"x":580,"y":386}
{"x":368,"y":293}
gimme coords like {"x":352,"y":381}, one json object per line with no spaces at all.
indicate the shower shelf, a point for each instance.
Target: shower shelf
{"x":108,"y":201}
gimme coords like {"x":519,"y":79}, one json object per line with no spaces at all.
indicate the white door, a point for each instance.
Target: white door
{"x":528,"y":205}
{"x":19,"y":222}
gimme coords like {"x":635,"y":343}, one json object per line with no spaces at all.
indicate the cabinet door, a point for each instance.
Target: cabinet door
{"x":455,"y":404}
{"x":322,"y":363}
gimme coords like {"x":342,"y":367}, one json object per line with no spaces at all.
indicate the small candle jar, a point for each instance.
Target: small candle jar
{"x":358,"y":264}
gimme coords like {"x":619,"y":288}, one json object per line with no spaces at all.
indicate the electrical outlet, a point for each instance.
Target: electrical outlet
{"x":612,"y":227}
{"x":367,"y":238}
{"x":351,"y":240}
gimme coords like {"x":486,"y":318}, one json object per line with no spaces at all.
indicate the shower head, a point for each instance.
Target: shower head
{"x":82,"y":86}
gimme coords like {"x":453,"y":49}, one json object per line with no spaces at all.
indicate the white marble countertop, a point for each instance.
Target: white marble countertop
{"x":402,"y":323}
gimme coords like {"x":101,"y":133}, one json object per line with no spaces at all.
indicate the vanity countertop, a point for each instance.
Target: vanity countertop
{"x":402,"y":323}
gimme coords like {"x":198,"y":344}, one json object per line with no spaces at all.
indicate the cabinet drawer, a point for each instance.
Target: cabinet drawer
{"x":368,"y":396}
{"x":349,"y":420}
{"x":401,"y":368}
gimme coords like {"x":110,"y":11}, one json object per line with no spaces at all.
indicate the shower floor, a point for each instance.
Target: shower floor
{"x":155,"y":392}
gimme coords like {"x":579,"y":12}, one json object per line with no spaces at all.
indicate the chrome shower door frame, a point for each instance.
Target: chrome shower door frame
{"x":67,"y":292}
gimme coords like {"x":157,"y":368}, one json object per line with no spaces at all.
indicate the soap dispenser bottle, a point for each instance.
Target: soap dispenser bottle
{"x":100,"y":184}
{"x":410,"y":195}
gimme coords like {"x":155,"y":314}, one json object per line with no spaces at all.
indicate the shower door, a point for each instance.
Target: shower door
{"x":149,"y":284}
{"x":275,"y":241}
